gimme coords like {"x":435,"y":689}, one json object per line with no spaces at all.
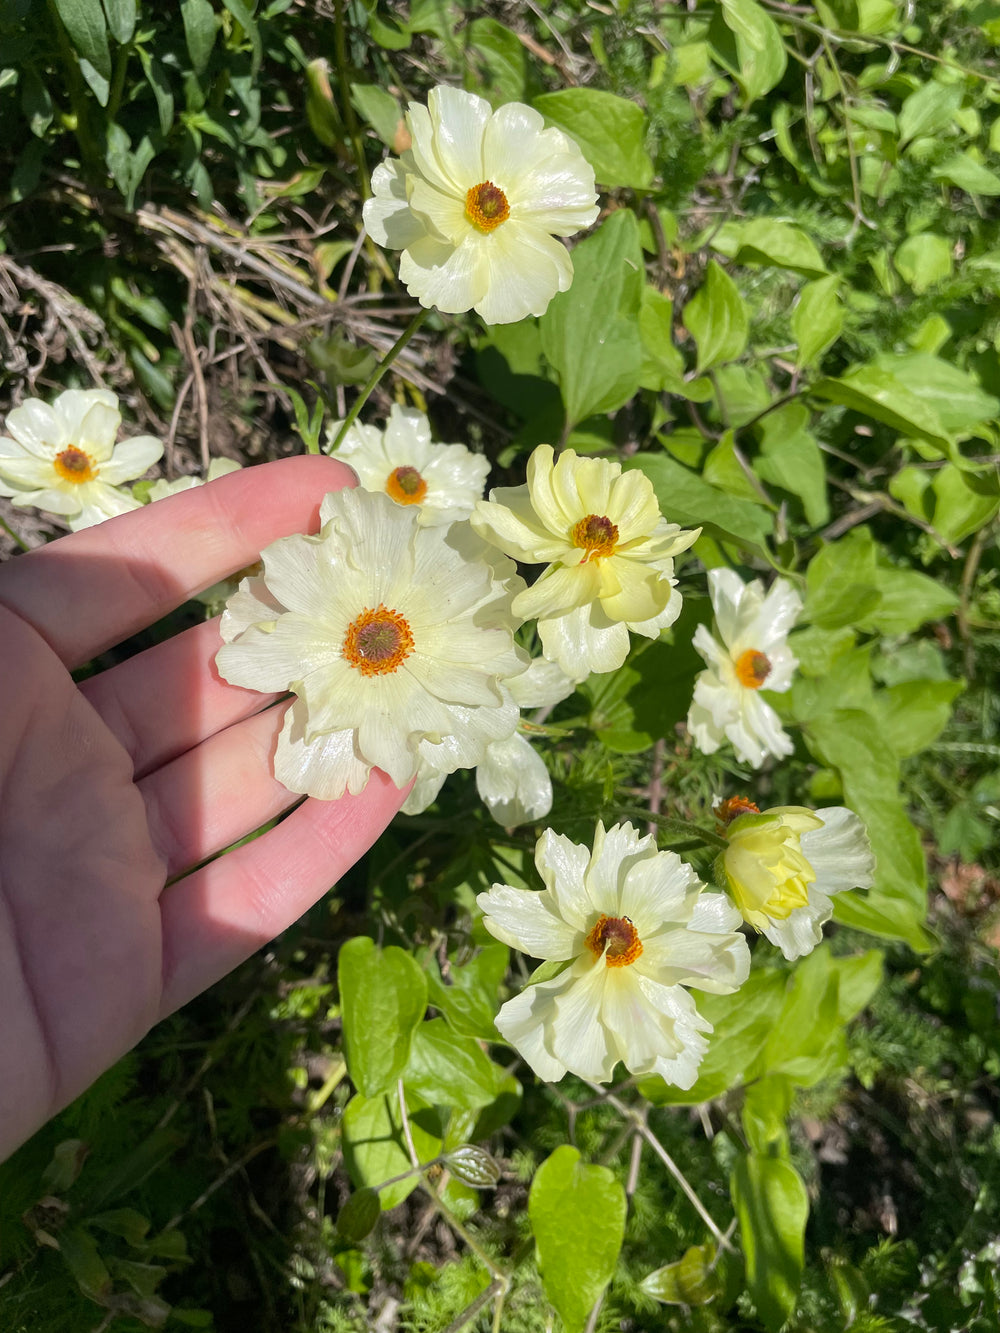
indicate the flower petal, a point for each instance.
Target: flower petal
{"x":840,"y":852}
{"x":529,"y":921}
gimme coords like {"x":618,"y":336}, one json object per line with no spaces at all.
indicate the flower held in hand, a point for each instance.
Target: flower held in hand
{"x":611,"y":555}
{"x":475,"y":204}
{"x":782,"y":865}
{"x":63,"y":457}
{"x":635,"y":929}
{"x":389,"y":633}
{"x":753,"y":654}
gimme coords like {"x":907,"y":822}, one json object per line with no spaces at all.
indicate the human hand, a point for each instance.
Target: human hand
{"x":112,"y":789}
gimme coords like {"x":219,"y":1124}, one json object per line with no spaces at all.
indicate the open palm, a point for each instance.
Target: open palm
{"x":114,"y":789}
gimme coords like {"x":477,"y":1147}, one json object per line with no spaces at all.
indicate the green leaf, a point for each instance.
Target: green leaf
{"x":858,"y":980}
{"x":81,"y":1256}
{"x":923,"y":260}
{"x":358,"y":1216}
{"x":590,"y":334}
{"x":686,"y":499}
{"x":912,"y":714}
{"x":927,"y":110}
{"x":769,"y":241}
{"x":840,"y":582}
{"x":503,"y":59}
{"x":907,"y":600}
{"x":807,"y":1043}
{"x":693,"y":1280}
{"x":243,"y":15}
{"x":741,"y":1026}
{"x":469,"y":1000}
{"x":722,"y":468}
{"x":610,"y":131}
{"x":383,"y":994}
{"x":156,"y":77}
{"x":717,"y":319}
{"x":577,"y":1217}
{"x":200,"y":29}
{"x":662,"y":363}
{"x":791,"y":458}
{"x":963,"y":501}
{"x":772,"y":1206}
{"x":848,"y":741}
{"x":449,"y":1070}
{"x":121,"y":19}
{"x":968,"y":174}
{"x":878,"y":393}
{"x":379,"y":108}
{"x":375,"y":1148}
{"x":87,"y":29}
{"x":760,"y":57}
{"x":817,"y":319}
{"x":951,"y":395}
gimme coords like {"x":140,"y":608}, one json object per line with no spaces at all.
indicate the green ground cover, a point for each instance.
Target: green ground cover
{"x":787,"y":316}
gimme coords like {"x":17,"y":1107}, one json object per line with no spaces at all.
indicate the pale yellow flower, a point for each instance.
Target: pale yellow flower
{"x":609,"y":552}
{"x":781,"y":866}
{"x":475,"y":205}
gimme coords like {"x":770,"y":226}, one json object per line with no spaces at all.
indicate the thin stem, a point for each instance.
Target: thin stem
{"x":377,"y":374}
{"x":685,"y":826}
{"x":13,"y":536}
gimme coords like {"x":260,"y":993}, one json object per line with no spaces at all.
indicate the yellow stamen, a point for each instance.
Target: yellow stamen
{"x":596,"y":535}
{"x":616,"y":940}
{"x":486,"y":206}
{"x":406,"y":486}
{"x":75,"y":465}
{"x":752,"y":669}
{"x":378,"y":641}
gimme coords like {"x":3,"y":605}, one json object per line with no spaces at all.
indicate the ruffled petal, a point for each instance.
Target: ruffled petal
{"x":530,"y":922}
{"x":512,"y":780}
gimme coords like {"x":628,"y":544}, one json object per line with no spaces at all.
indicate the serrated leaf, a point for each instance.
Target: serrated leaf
{"x":577,"y":1217}
{"x":610,"y":131}
{"x":716,"y":318}
{"x":383,"y":995}
{"x":590,"y":333}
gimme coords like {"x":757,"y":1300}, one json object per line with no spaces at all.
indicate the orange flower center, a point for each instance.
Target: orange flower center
{"x":486,"y":206}
{"x":616,"y":940}
{"x":752,"y":669}
{"x":730,"y":809}
{"x":406,"y":486}
{"x":596,"y":535}
{"x":378,"y":641}
{"x":75,"y":465}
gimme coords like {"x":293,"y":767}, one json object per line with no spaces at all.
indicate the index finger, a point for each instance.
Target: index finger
{"x":85,"y":592}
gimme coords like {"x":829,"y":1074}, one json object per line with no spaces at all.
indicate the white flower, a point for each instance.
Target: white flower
{"x":781,"y":866}
{"x":444,"y":480}
{"x":475,"y":203}
{"x":218,"y":467}
{"x":389,"y":633}
{"x":63,"y":457}
{"x":753,"y":653}
{"x":611,"y":555}
{"x":635,"y":929}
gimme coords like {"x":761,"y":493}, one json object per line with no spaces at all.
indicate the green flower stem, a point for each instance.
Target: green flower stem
{"x":377,"y":374}
{"x":13,"y":536}
{"x":682,"y":826}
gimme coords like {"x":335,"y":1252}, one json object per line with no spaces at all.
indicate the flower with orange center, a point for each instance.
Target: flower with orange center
{"x":750,"y":653}
{"x":781,"y":867}
{"x":476,"y":203}
{"x":609,"y":552}
{"x":633,"y":930}
{"x":441,"y":481}
{"x":62,"y":456}
{"x":388,"y":633}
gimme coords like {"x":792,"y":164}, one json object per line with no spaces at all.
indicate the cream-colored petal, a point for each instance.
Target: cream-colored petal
{"x":615,"y":852}
{"x":439,"y":274}
{"x":562,"y":865}
{"x":38,"y":428}
{"x":510,"y":520}
{"x":560,"y":588}
{"x":326,"y":767}
{"x":578,"y":1038}
{"x":131,"y":458}
{"x":514,"y":783}
{"x":525,"y":268}
{"x":528,"y":921}
{"x":459,"y":120}
{"x":252,"y":603}
{"x":840,"y":852}
{"x":802,"y":930}
{"x":658,"y":889}
{"x":100,"y":502}
{"x":387,"y":215}
{"x":525,"y":1022}
{"x":641,"y":593}
{"x":583,"y":641}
